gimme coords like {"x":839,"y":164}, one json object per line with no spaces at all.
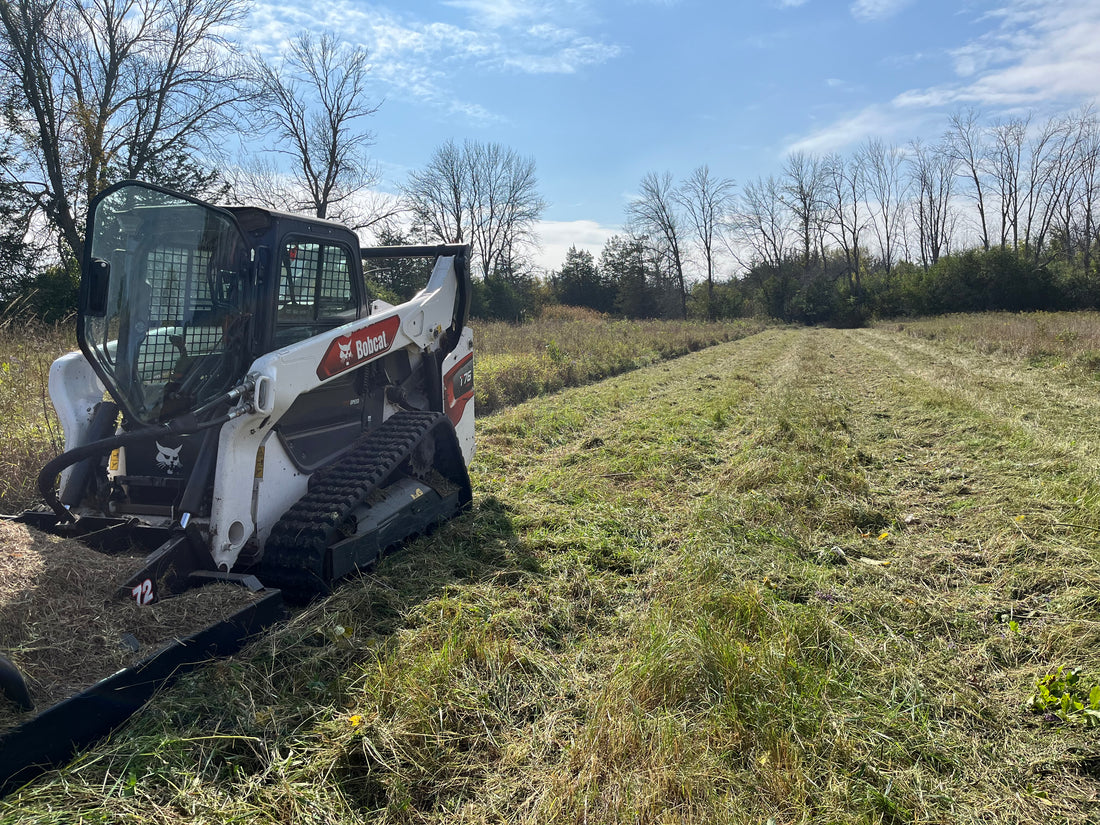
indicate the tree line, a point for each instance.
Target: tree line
{"x":996,"y":214}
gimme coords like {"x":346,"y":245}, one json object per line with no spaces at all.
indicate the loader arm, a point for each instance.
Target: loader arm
{"x":420,"y":325}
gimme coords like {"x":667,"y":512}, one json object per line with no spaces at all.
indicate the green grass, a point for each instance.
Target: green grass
{"x":810,"y":576}
{"x":570,"y":346}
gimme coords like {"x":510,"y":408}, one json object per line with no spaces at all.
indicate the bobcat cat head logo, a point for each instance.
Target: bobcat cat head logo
{"x":345,"y":352}
{"x":168,"y":459}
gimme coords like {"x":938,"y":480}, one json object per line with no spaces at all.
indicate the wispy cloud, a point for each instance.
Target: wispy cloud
{"x":498,"y":13}
{"x":504,"y":14}
{"x":418,"y":58}
{"x":1042,"y":51}
{"x":881,"y":121}
{"x":1040,"y":54}
{"x":868,"y":10}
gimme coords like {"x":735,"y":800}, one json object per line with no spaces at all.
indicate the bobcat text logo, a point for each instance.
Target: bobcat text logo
{"x":369,"y":346}
{"x":347,"y":352}
{"x":168,"y":459}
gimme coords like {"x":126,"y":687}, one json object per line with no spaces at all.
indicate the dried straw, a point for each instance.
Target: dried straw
{"x":62,"y":627}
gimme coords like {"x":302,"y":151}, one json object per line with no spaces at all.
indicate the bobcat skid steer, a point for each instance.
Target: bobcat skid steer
{"x":240,"y":411}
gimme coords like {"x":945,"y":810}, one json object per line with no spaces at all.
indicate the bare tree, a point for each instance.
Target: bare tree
{"x":655,"y":213}
{"x":436,"y":195}
{"x":706,"y":202}
{"x":1007,"y":168}
{"x":504,"y":205}
{"x":884,"y":187}
{"x":315,"y":103}
{"x":483,"y":194}
{"x":932,"y":171}
{"x":97,"y":91}
{"x":844,"y":209}
{"x":762,"y":227}
{"x":802,"y":193}
{"x":1052,"y":168}
{"x":1088,"y":190}
{"x":964,"y":142}
{"x":761,"y":234}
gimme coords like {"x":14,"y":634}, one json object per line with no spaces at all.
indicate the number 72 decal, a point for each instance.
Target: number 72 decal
{"x":143,"y":593}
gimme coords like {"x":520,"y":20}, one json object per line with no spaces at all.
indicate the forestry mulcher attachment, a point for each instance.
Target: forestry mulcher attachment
{"x":239,"y":409}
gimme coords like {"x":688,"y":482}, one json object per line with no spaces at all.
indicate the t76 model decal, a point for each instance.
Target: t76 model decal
{"x":349,"y":351}
{"x":458,"y":388}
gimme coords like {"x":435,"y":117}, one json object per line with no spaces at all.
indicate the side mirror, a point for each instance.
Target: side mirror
{"x":99,"y":280}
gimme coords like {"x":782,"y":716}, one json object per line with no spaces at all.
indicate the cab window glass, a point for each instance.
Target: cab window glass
{"x":315,"y":290}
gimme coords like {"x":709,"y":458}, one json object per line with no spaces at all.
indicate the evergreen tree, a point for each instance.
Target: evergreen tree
{"x":579,"y":282}
{"x":622,"y":263}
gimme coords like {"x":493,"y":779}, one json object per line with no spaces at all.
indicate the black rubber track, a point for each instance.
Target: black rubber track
{"x":295,"y":553}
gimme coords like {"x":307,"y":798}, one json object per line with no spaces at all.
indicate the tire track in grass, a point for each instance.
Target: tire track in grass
{"x":617,"y":494}
{"x":1045,"y":402}
{"x":572,"y":423}
{"x":984,"y":549}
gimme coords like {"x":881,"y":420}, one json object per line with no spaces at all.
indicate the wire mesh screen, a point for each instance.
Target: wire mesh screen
{"x":315,"y":290}
{"x":298,"y":284}
{"x":179,"y":302}
{"x":334,"y":283}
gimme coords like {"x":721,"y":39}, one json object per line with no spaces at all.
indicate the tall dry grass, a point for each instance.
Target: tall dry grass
{"x":571,"y":346}
{"x":1072,"y":338}
{"x":30,"y":434}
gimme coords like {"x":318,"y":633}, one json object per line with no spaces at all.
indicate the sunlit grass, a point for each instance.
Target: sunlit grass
{"x":807,"y":576}
{"x":569,"y":347}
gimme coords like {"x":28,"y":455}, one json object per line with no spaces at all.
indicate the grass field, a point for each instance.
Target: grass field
{"x":809,"y":576}
{"x":30,"y":434}
{"x":568,"y":347}
{"x":571,"y":346}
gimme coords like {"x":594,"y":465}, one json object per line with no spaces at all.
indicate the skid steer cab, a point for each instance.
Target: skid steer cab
{"x":238,"y":406}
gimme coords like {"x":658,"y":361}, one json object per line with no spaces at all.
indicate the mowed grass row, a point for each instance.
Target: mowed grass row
{"x":810,"y":576}
{"x":569,"y":347}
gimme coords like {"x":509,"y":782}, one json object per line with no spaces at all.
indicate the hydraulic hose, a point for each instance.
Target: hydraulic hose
{"x":183,"y":425}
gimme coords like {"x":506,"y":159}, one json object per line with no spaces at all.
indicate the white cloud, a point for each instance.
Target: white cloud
{"x":1042,"y":54}
{"x":869,"y":10}
{"x":881,"y":121}
{"x":557,"y":236}
{"x":497,"y":13}
{"x":417,"y":57}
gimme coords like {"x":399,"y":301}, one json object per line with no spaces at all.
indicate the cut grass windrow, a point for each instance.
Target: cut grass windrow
{"x":809,"y":576}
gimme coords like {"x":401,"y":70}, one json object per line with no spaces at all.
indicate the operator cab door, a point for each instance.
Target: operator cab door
{"x":318,"y":290}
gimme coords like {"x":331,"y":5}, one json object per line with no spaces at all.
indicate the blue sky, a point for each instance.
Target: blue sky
{"x":600,"y":92}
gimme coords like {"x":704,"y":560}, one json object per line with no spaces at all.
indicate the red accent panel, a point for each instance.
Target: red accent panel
{"x":458,"y":388}
{"x":349,"y":351}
